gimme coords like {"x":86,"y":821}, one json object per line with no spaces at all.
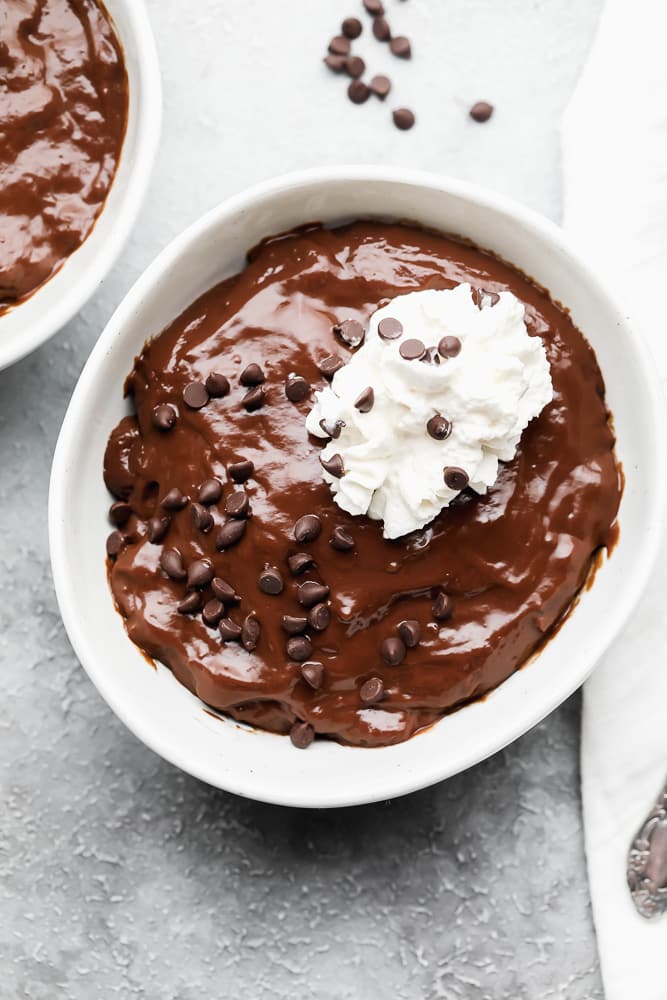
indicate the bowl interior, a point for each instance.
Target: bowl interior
{"x":166,"y":716}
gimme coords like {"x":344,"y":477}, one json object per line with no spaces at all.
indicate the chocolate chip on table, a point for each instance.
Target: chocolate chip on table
{"x":330,"y":365}
{"x":271,"y":581}
{"x":352,"y":27}
{"x":210,"y":492}
{"x":380,"y":85}
{"x":307,"y":528}
{"x":365,"y":400}
{"x":164,"y":416}
{"x":171,"y":562}
{"x":190,"y":604}
{"x":410,"y":632}
{"x":400,"y":46}
{"x":371,"y":691}
{"x":439,"y":427}
{"x":230,"y":533}
{"x":119,"y":513}
{"x":253,"y":399}
{"x":201,"y":518}
{"x":157,"y":527}
{"x":213,"y":613}
{"x":223,"y":590}
{"x":374,"y":7}
{"x":393,"y":650}
{"x":302,"y":735}
{"x":115,"y":543}
{"x":358,"y":92}
{"x":404,"y":119}
{"x":195,"y":395}
{"x":311,"y":593}
{"x":229,"y":630}
{"x":442,"y":607}
{"x":237,"y":504}
{"x":250,"y":633}
{"x":339,"y":46}
{"x":217,"y":385}
{"x":455,"y":477}
{"x":390,"y":328}
{"x":296,"y":388}
{"x":174,"y":500}
{"x":335,"y":63}
{"x":200,"y":574}
{"x":481,"y":111}
{"x":299,"y":648}
{"x":300,"y":562}
{"x":449,"y":347}
{"x":334,"y":466}
{"x":333,"y":430}
{"x":312,"y":672}
{"x":341,"y":540}
{"x":240,"y":472}
{"x":412,"y":349}
{"x":320,"y":617}
{"x":294,"y":624}
{"x":381,"y":29}
{"x":252,"y":375}
{"x":355,"y":67}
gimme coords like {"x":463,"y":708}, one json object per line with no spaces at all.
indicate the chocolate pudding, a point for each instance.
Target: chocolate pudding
{"x":63,"y":113}
{"x":232,"y":564}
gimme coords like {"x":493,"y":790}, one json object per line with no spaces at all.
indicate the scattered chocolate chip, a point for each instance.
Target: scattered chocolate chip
{"x":320,"y":617}
{"x":240,"y":472}
{"x":191,"y":604}
{"x":449,"y":347}
{"x":484,"y":299}
{"x":381,"y":29}
{"x":439,"y":427}
{"x":410,"y":632}
{"x":253,"y":399}
{"x":200,"y":573}
{"x":296,"y":388}
{"x":210,"y":492}
{"x":195,"y":395}
{"x":341,"y":540}
{"x":271,"y":581}
{"x":299,"y":648}
{"x":119,"y":513}
{"x":390,"y":328}
{"x":157,"y":527}
{"x":403,"y":118}
{"x":442,"y":607}
{"x":201,"y":518}
{"x":252,"y":375}
{"x":412,"y":349}
{"x":339,"y":46}
{"x":300,"y":562}
{"x":174,"y":500}
{"x":358,"y":92}
{"x":217,"y":385}
{"x":164,"y":416}
{"x":223,"y":590}
{"x":294,"y":624}
{"x":393,"y":650}
{"x":307,"y":528}
{"x":481,"y":111}
{"x":352,"y":27}
{"x":330,"y":365}
{"x":250,"y":633}
{"x":380,"y":85}
{"x":171,"y":562}
{"x":374,"y":7}
{"x":311,"y":593}
{"x":335,"y":63}
{"x":302,"y":735}
{"x":333,"y":430}
{"x":115,"y":543}
{"x":355,"y":67}
{"x":334,"y":466}
{"x":229,"y":630}
{"x":364,"y":402}
{"x":455,"y":478}
{"x":230,"y":533}
{"x":213,"y":613}
{"x":237,"y":504}
{"x":371,"y":691}
{"x":350,"y":332}
{"x":400,"y":46}
{"x":313,"y":673}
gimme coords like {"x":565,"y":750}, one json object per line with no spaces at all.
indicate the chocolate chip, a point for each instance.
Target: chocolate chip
{"x":400,"y":46}
{"x":410,"y":632}
{"x":311,"y":593}
{"x":302,"y":735}
{"x":253,"y":399}
{"x":240,"y":472}
{"x":213,"y":613}
{"x":380,"y":85}
{"x":201,"y":518}
{"x":403,"y":118}
{"x":341,"y":540}
{"x":250,"y":633}
{"x":333,"y":430}
{"x":439,"y":427}
{"x":174,"y":500}
{"x":115,"y":543}
{"x":355,"y":66}
{"x":374,"y":7}
{"x":330,"y":365}
{"x":217,"y":385}
{"x":371,"y":691}
{"x":294,"y":624}
{"x":157,"y":528}
{"x":223,"y":590}
{"x":390,"y":328}
{"x":230,"y":533}
{"x":455,"y":478}
{"x":339,"y":46}
{"x":412,"y":349}
{"x":320,"y":617}
{"x":270,"y":581}
{"x":237,"y":504}
{"x":200,"y":574}
{"x":171,"y":562}
{"x":296,"y":388}
{"x":210,"y":492}
{"x":119,"y":513}
{"x":313,"y":673}
{"x":381,"y":29}
{"x":350,"y":331}
{"x":364,"y":402}
{"x":352,"y":27}
{"x":393,"y":650}
{"x":334,"y":466}
{"x":484,"y":299}
{"x":449,"y":347}
{"x":481,"y":111}
{"x":299,"y":648}
{"x":307,"y":528}
{"x":164,"y":416}
{"x":358,"y":92}
{"x":195,"y":395}
{"x":252,"y":375}
{"x":442,"y":607}
{"x":191,"y":604}
{"x":229,"y":630}
{"x":299,"y":563}
{"x":335,"y":63}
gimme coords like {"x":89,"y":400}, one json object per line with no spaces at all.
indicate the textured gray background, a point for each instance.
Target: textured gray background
{"x":120,"y":876}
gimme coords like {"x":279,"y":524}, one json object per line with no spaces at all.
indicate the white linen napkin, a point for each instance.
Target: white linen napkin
{"x":615,"y":193}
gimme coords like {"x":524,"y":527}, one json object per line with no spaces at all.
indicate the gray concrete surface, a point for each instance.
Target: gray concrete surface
{"x":120,"y":876}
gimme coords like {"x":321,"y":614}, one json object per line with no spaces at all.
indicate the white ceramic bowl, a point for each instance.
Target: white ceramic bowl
{"x":26,"y":326}
{"x":151,"y":702}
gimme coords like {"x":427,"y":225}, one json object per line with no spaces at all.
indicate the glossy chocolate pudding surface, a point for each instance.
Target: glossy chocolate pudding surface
{"x":63,"y":113}
{"x":481,"y":587}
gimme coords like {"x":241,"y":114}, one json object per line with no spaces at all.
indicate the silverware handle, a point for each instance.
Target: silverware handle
{"x":647,"y":861}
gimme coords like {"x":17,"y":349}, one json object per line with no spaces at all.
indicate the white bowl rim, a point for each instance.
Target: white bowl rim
{"x":433,"y":771}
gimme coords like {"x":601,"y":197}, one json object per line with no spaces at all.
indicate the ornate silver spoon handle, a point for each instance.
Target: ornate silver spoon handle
{"x":647,"y":862}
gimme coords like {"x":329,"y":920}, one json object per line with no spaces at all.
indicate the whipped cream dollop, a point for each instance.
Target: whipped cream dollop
{"x":438,"y":394}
